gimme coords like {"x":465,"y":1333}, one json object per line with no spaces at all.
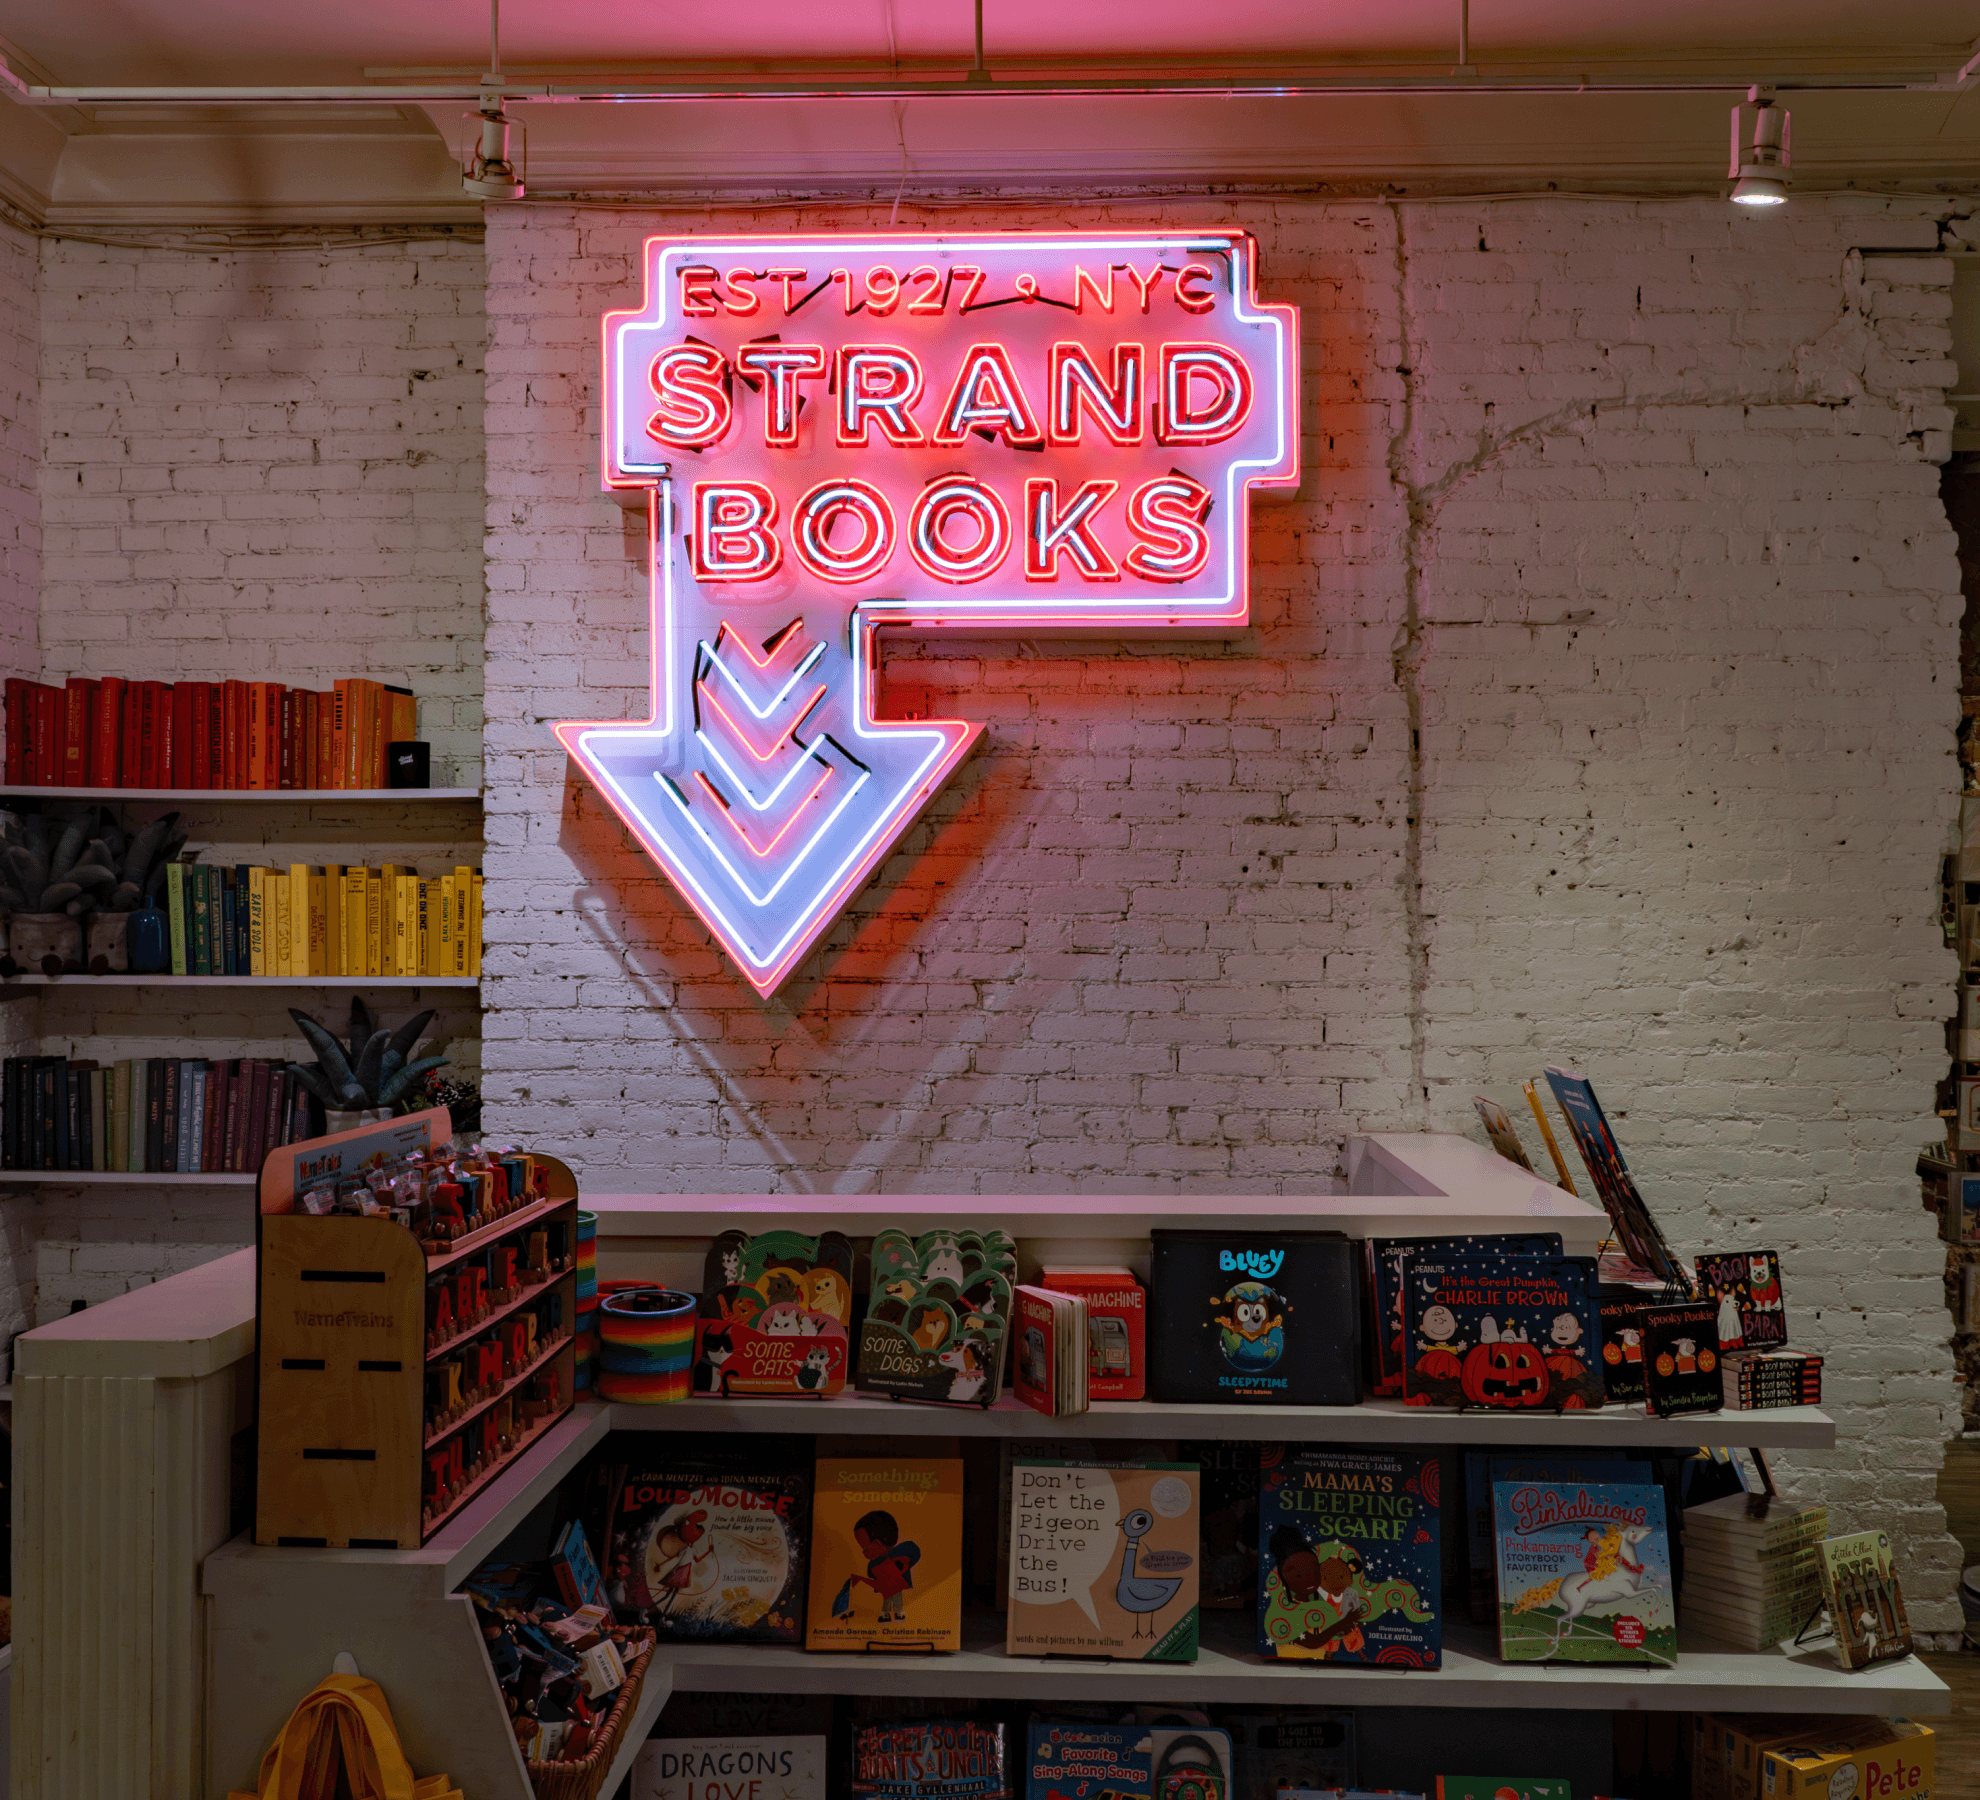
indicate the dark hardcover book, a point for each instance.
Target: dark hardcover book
{"x":1254,"y":1317}
{"x":1386,"y":1257}
{"x":72,"y":1118}
{"x":243,"y":954}
{"x":168,"y":1137}
{"x":82,"y":1136}
{"x":10,"y":1121}
{"x":16,"y":692}
{"x":1228,"y":1548}
{"x":199,"y":951}
{"x":106,"y":753}
{"x":257,"y":1116}
{"x":1349,"y":1559}
{"x":213,"y":1122}
{"x":75,"y":733}
{"x":130,"y":752}
{"x":1501,"y":1331}
{"x":216,"y":938}
{"x":1747,"y":1286}
{"x":198,"y":734}
{"x":179,"y":742}
{"x":61,"y":1100}
{"x":42,"y":1114}
{"x":216,"y":735}
{"x":154,"y":1114}
{"x":299,"y":1119}
{"x":278,"y":1079}
{"x":232,"y":1159}
{"x":709,"y":1538}
{"x":1681,"y":1358}
{"x":49,"y":705}
{"x":1620,"y":1310}
{"x":1616,"y":1188}
{"x":937,"y":1759}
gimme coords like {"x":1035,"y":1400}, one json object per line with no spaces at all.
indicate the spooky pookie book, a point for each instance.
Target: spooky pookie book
{"x":1747,"y":1288}
{"x":774,"y":1315}
{"x":938,"y":1316}
{"x":1388,"y":1257}
{"x":1501,"y":1331}
{"x":1584,"y":1573}
{"x":1349,"y":1561}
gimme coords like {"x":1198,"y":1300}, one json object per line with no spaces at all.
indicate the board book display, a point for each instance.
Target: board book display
{"x":1584,"y":1573}
{"x":1619,"y":1310}
{"x":1349,"y":1558}
{"x":1103,"y":1561}
{"x":1500,"y":1787}
{"x":1865,"y":1603}
{"x":708,"y":1538}
{"x":1502,"y":1331}
{"x":938,"y":1316}
{"x":1049,"y":1368}
{"x":1387,"y":1260}
{"x":1681,"y":1359}
{"x":1750,"y":1379}
{"x":955,"y":1759}
{"x":1747,"y":1290}
{"x":775,"y":1315}
{"x":1297,"y":1749}
{"x":886,"y":1554}
{"x":730,"y":1768}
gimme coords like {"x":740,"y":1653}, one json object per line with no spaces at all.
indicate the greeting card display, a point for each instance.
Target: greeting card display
{"x":1387,"y":1259}
{"x":1256,"y":1317}
{"x":1747,"y":1287}
{"x":1584,"y":1573}
{"x":938,"y":1316}
{"x":1349,"y":1562}
{"x":774,"y":1315}
{"x":1681,"y":1359}
{"x":886,"y":1554}
{"x":1501,"y":1331}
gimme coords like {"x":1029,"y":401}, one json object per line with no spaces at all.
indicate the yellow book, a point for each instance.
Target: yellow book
{"x":443,"y":929}
{"x":423,"y":925}
{"x":405,"y":958}
{"x":299,"y":921}
{"x":278,"y":937}
{"x":463,"y":921}
{"x":474,"y":927}
{"x":388,"y":910}
{"x":257,"y":922}
{"x":354,"y":920}
{"x":333,"y":919}
{"x":319,"y":922}
{"x":374,"y":921}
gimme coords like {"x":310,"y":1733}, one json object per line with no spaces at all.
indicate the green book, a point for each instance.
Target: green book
{"x":201,"y":962}
{"x":216,"y":937}
{"x":99,"y":1143}
{"x":175,"y":906}
{"x":134,"y":1116}
{"x":1500,"y":1787}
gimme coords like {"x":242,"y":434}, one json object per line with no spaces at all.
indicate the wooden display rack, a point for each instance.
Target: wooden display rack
{"x":343,"y":1356}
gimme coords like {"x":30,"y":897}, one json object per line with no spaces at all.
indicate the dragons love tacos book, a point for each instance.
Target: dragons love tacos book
{"x":1584,"y":1573}
{"x":775,"y":1315}
{"x":1501,"y":1330}
{"x":1349,"y":1563}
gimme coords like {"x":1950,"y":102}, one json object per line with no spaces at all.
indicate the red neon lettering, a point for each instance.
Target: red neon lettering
{"x":883,"y":291}
{"x":698,"y":292}
{"x":877,"y":381}
{"x":1176,"y":420}
{"x":934,"y":290}
{"x":778,"y":370}
{"x":786,"y":277}
{"x":987,"y":397}
{"x":811,"y":529}
{"x":732,"y":538}
{"x":742,"y":299}
{"x":692,"y":381}
{"x":1083,"y":281}
{"x":1167,"y":515}
{"x":1076,"y":385}
{"x":1190,"y":299}
{"x":1050,"y":533}
{"x":1144,"y":285}
{"x":971,"y":288}
{"x":936,"y":504}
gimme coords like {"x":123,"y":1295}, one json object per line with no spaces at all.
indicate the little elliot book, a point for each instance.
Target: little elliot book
{"x":886,"y":1562}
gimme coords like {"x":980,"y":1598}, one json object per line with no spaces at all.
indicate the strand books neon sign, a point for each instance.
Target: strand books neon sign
{"x":1005,"y":432}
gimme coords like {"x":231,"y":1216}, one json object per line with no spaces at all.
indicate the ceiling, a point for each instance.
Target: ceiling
{"x":1629,"y":97}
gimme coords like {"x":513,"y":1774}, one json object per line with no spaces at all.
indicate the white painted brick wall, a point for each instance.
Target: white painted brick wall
{"x":1600,"y":709}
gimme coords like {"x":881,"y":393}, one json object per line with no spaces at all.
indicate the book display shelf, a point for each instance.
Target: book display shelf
{"x":242,"y":796}
{"x":428,"y":1654}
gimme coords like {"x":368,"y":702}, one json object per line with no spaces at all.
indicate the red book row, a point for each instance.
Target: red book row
{"x":112,"y":733}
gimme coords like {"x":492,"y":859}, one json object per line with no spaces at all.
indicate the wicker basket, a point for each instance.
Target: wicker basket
{"x":581,"y":1780}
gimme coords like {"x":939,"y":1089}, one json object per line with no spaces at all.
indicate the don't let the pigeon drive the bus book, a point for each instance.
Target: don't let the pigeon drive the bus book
{"x":1104,"y":1560}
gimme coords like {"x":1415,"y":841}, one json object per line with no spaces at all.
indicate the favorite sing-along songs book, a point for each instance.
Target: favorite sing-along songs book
{"x":1584,"y":1573}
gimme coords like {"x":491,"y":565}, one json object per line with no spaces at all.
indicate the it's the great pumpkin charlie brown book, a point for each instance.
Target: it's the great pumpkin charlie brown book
{"x":1104,"y":1560}
{"x":886,"y":1554}
{"x":1502,"y":1331}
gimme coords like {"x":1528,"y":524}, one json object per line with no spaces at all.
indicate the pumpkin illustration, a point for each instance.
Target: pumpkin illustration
{"x":1612,"y":1353}
{"x":1665,"y":1366}
{"x":1707,"y":1362}
{"x":1505,"y":1374}
{"x":1570,"y":1367}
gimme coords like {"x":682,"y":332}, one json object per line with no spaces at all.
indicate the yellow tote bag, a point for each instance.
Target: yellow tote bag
{"x":347,"y":1714}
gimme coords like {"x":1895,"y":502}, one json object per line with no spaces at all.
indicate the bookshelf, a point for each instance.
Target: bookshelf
{"x":116,"y":1178}
{"x":245,"y":796}
{"x":275,"y":983}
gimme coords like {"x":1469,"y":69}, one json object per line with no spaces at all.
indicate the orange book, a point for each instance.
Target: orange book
{"x":340,"y":745}
{"x":233,"y":717}
{"x":257,"y":734}
{"x":402,"y":721}
{"x":326,"y":756}
{"x":371,"y":774}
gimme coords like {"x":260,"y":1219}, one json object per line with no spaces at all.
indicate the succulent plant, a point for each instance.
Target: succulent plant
{"x":373,"y":1071}
{"x":82,"y":862}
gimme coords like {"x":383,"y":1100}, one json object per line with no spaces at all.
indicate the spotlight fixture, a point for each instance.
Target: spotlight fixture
{"x":486,"y":172}
{"x":1760,"y":150}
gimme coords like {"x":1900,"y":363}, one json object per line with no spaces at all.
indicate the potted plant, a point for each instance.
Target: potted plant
{"x":57,"y":872}
{"x":369,"y":1080}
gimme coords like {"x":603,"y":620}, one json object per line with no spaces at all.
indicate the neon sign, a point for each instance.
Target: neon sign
{"x":842,"y":435}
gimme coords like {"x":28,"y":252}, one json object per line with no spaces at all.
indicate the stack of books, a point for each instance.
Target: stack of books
{"x":1757,"y":1378}
{"x":305,"y":922}
{"x":203,"y":734}
{"x":1748,"y":1583}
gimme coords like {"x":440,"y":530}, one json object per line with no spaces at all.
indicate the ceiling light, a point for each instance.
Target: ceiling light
{"x":487,"y":173}
{"x":1760,"y":150}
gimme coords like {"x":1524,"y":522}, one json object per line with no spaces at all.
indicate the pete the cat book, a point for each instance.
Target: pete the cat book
{"x":1584,"y":1573}
{"x":886,"y":1554}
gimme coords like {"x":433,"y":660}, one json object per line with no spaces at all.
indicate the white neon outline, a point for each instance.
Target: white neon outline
{"x":978,"y":361}
{"x":846,"y":368}
{"x":1173,"y":365}
{"x":1074,"y":387}
{"x":784,"y":369}
{"x":763,"y":525}
{"x":1141,"y":502}
{"x":1074,"y":525}
{"x":932,"y":506}
{"x":721,"y":409}
{"x":818,"y":505}
{"x":714,"y":655}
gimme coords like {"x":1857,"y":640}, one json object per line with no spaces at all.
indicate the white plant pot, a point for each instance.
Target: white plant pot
{"x":336,"y":1119}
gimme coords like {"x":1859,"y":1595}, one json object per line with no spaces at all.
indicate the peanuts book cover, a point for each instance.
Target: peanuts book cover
{"x":1387,"y":1257}
{"x":708,"y":1540}
{"x":1104,"y":1561}
{"x":1584,"y":1573}
{"x":775,"y":1315}
{"x":1681,"y":1359}
{"x":1747,"y":1288}
{"x":886,"y":1554}
{"x":1350,"y":1563}
{"x":1501,"y":1330}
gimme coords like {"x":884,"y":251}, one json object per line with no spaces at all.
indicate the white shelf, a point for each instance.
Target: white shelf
{"x":12,"y":983}
{"x":1228,"y":1669}
{"x":243,"y":795}
{"x":115,"y":1178}
{"x":1376,"y":1422}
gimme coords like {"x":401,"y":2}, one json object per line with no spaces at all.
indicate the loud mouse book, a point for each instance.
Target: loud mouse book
{"x":1502,"y":1331}
{"x":1584,"y":1573}
{"x":1349,"y":1564}
{"x":886,"y":1554}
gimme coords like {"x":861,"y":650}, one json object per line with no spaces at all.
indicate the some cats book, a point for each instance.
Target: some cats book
{"x":938,"y":1316}
{"x":1681,"y":1359}
{"x":1103,"y":1561}
{"x":1387,"y":1256}
{"x":775,"y":1315}
{"x":1866,"y":1605}
{"x":932,"y":1759}
{"x":1501,"y":1331}
{"x":1349,"y":1564}
{"x":1584,"y":1573}
{"x":1747,"y":1288}
{"x":886,"y":1554}
{"x":708,"y":1539}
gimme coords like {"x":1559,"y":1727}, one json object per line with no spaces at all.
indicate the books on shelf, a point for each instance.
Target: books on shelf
{"x":1080,"y":1760}
{"x":112,"y":733}
{"x":932,"y":1759}
{"x":1866,"y":1605}
{"x":1484,"y":1467}
{"x":1747,"y":1288}
{"x":1584,"y":1573}
{"x":1750,"y":1581}
{"x":1049,"y":1372}
{"x":148,"y":1115}
{"x":1681,"y":1359}
{"x":730,"y":1768}
{"x":300,"y":922}
{"x":886,"y":1554}
{"x":1760,"y":1378}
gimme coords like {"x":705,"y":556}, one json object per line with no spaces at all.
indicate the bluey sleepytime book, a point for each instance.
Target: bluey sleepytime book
{"x":1584,"y":1573}
{"x":886,"y":1553}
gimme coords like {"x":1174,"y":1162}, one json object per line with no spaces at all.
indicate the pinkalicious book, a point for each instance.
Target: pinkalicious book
{"x":775,"y":1315}
{"x":1747,"y":1289}
{"x":1483,"y":1467}
{"x":1387,"y":1258}
{"x":1584,"y":1573}
{"x":1501,"y":1331}
{"x":886,"y":1554}
{"x":1349,"y":1565}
